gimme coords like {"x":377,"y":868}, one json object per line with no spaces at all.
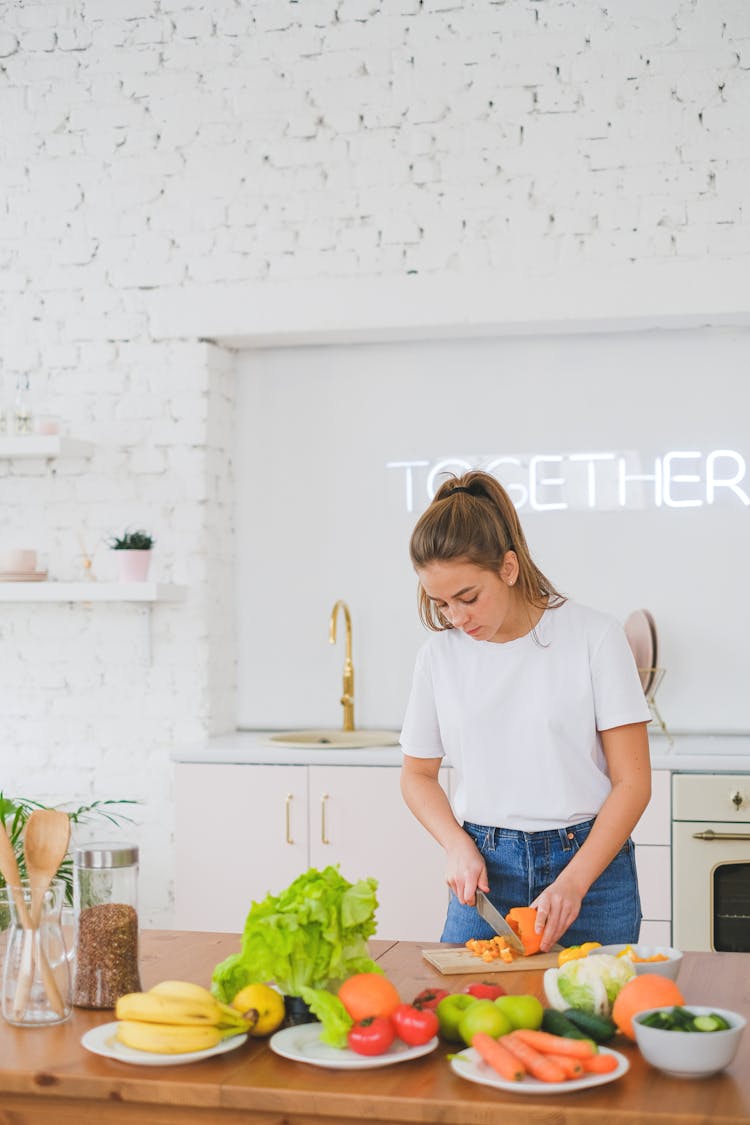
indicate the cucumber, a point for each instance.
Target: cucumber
{"x":598,"y":1028}
{"x":710,"y":1023}
{"x":557,"y":1024}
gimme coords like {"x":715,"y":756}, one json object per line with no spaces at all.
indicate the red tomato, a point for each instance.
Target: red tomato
{"x":429,"y":997}
{"x":371,"y":1036}
{"x":483,"y":990}
{"x":415,"y":1026}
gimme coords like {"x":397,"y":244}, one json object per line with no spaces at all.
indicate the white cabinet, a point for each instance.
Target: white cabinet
{"x":652,"y":836}
{"x":245,"y":830}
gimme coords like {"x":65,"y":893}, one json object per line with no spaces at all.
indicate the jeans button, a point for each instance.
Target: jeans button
{"x":571,"y":836}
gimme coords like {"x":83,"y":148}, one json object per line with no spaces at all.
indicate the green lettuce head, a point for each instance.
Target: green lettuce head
{"x":590,"y":984}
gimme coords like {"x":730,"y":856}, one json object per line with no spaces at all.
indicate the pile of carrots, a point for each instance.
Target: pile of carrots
{"x":548,"y":1058}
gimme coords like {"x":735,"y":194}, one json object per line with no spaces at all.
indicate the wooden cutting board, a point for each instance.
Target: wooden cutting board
{"x":449,"y":961}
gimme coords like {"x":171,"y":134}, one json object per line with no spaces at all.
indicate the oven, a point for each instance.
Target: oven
{"x":711,"y":861}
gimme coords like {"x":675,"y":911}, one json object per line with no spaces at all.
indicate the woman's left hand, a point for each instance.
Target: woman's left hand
{"x":557,"y":908}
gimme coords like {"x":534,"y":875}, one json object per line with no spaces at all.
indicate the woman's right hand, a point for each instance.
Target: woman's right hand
{"x":465,"y":870}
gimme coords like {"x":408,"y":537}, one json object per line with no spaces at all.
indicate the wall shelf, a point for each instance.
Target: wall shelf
{"x":38,"y":445}
{"x":90,"y":592}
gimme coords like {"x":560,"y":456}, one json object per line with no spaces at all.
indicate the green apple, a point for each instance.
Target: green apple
{"x":449,"y":1012}
{"x":483,"y":1016}
{"x":522,"y":1011}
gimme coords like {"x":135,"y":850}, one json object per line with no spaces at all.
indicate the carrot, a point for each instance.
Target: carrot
{"x":573,"y":1067}
{"x":502,"y":1061}
{"x":538,"y":1065}
{"x":599,"y":1064}
{"x":555,"y":1044}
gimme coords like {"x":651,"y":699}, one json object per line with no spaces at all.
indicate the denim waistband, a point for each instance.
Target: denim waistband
{"x":492,"y":834}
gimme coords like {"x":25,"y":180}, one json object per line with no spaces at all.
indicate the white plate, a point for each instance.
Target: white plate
{"x":302,"y":1044}
{"x":101,"y":1041}
{"x":469,"y":1065}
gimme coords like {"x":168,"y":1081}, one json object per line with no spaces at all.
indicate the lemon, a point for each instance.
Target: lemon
{"x":266,"y":1002}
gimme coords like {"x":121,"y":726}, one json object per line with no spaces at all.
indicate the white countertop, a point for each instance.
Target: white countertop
{"x":689,"y":753}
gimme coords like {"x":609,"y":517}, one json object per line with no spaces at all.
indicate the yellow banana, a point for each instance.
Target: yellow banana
{"x":186,"y":990}
{"x":169,"y":1039}
{"x":153,"y":1007}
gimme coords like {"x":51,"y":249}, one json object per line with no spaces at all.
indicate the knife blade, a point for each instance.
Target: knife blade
{"x":498,"y":923}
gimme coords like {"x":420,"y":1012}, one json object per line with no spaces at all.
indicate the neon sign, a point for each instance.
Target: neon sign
{"x":600,"y":481}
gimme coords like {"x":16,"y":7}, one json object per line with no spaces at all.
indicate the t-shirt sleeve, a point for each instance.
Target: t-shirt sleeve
{"x":420,"y":734}
{"x":618,"y":693}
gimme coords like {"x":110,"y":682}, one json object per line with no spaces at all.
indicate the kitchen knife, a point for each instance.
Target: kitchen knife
{"x":498,"y":923}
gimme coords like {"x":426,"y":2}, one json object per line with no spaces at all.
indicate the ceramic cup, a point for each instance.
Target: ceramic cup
{"x":18,"y":560}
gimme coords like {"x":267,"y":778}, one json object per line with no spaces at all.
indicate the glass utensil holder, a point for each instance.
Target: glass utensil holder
{"x":36,"y":981}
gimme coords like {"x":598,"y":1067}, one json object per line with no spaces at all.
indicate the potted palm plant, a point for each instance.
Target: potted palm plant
{"x":15,"y":811}
{"x":134,"y":557}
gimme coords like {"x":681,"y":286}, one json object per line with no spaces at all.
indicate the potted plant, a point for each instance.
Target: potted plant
{"x":135,"y":554}
{"x":15,"y":811}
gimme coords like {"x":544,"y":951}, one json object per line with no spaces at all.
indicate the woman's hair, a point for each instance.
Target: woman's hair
{"x":472,"y":517}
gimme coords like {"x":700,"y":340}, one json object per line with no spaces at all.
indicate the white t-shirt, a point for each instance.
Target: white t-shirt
{"x":519,"y":721}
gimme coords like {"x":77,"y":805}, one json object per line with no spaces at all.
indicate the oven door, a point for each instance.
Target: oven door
{"x":711,"y":886}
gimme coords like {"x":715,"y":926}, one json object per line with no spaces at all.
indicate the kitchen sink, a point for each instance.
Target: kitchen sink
{"x":335,"y":739}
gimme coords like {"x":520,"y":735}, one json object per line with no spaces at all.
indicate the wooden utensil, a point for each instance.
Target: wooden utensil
{"x":45,"y":842}
{"x":11,"y":874}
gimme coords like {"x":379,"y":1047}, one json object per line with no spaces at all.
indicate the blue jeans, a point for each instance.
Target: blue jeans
{"x":521,"y":864}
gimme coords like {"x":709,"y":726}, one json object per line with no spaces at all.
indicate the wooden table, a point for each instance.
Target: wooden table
{"x":46,"y":1076}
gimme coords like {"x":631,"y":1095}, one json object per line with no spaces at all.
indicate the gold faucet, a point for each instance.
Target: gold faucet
{"x":347,"y":698}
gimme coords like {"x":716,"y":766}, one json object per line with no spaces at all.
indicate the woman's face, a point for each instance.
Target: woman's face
{"x":481,"y":603}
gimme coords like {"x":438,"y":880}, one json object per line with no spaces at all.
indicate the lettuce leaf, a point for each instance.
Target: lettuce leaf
{"x":331,"y":1013}
{"x":311,"y":935}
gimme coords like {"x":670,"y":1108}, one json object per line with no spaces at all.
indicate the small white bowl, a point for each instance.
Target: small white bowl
{"x":669,"y":968}
{"x":689,"y":1054}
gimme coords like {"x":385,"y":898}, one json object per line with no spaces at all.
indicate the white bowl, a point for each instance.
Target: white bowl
{"x":669,"y":968}
{"x":689,"y":1054}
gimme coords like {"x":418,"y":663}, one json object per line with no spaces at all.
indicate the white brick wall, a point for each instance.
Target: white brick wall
{"x":187,"y":144}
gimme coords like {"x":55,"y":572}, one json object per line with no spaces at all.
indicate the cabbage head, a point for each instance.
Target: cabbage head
{"x":590,"y":984}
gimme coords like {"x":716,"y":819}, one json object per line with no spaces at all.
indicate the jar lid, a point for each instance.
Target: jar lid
{"x":106,"y":855}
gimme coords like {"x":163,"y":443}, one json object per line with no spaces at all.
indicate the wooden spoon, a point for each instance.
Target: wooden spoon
{"x":11,"y":874}
{"x":45,"y":842}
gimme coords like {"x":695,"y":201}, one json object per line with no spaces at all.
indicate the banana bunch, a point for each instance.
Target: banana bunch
{"x":174,"y":1018}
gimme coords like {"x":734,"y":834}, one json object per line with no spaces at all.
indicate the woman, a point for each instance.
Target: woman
{"x":536,"y":703}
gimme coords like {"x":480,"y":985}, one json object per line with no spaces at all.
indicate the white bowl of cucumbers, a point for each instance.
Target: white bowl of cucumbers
{"x":691,"y":1041}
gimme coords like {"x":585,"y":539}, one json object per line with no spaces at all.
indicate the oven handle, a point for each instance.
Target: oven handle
{"x":709,"y":834}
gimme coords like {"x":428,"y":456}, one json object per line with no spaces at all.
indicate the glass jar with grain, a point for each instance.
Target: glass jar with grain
{"x":105,"y":886}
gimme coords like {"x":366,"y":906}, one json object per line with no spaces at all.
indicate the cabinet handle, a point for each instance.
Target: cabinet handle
{"x":288,"y":817}
{"x":709,"y":834}
{"x":323,"y":838}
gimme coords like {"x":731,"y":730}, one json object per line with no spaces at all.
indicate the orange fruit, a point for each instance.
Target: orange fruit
{"x":368,"y":994}
{"x":640,"y":994}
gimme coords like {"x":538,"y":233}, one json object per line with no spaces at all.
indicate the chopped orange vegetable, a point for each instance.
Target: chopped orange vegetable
{"x":521,"y":920}
{"x":491,"y":949}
